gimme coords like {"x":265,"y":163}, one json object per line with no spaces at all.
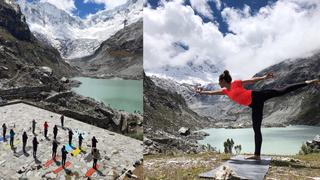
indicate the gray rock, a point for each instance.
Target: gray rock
{"x":46,"y":70}
{"x":184,"y":131}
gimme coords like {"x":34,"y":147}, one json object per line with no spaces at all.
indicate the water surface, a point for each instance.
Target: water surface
{"x":277,"y":140}
{"x":120,"y":94}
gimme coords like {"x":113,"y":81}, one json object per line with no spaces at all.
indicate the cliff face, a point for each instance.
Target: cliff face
{"x":121,"y":55}
{"x":12,"y":19}
{"x":21,"y":55}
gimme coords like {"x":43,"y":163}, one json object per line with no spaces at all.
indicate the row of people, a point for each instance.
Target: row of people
{"x":95,"y":152}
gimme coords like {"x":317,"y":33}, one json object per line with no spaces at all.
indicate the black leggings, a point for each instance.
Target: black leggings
{"x":258,"y":99}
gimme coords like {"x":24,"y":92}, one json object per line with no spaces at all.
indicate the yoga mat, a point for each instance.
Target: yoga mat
{"x":245,"y":168}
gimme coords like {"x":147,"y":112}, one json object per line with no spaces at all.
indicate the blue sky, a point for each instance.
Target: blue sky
{"x":255,"y":5}
{"x":83,"y":9}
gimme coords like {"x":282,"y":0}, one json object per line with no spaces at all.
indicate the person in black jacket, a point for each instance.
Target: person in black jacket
{"x":24,"y":141}
{"x":54,"y":149}
{"x":35,"y":146}
{"x":62,"y":120}
{"x":55,"y":132}
{"x":4,"y":131}
{"x":64,"y":155}
{"x":33,"y":126}
{"x":80,"y":140}
{"x":70,"y":136}
{"x":94,"y":142}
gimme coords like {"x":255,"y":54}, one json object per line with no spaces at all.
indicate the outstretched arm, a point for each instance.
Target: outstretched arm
{"x":256,"y":79}
{"x":214,"y":92}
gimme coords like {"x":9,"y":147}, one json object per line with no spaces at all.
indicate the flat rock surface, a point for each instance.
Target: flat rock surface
{"x":117,"y":151}
{"x":248,"y":169}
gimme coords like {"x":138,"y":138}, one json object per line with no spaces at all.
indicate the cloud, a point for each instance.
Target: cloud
{"x":202,"y":7}
{"x":109,"y":4}
{"x":218,"y":4}
{"x":285,"y":29}
{"x":67,"y":5}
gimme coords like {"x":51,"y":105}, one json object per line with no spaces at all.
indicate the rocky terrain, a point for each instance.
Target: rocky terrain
{"x":23,"y":59}
{"x":120,"y":55}
{"x":164,"y":114}
{"x":299,"y":107}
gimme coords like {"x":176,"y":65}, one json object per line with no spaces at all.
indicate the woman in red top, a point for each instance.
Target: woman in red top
{"x":252,"y":98}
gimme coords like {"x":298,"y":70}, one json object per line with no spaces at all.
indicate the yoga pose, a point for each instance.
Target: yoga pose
{"x":252,"y":98}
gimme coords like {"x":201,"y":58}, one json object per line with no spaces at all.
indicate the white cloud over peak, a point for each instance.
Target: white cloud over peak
{"x":67,"y":5}
{"x":285,"y":29}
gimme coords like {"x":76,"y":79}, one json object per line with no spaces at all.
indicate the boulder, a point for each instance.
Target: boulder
{"x":64,"y":80}
{"x":184,"y":131}
{"x":46,"y":70}
{"x":147,"y":141}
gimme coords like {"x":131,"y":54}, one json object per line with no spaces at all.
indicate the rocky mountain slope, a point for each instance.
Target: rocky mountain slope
{"x":300,"y":107}
{"x":72,"y":36}
{"x":121,"y":55}
{"x":164,"y":114}
{"x":23,"y":59}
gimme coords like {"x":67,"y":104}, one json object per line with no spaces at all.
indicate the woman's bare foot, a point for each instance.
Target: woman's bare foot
{"x":313,"y":81}
{"x":255,"y":157}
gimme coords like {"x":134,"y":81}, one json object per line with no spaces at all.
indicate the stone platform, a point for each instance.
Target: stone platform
{"x":117,"y":151}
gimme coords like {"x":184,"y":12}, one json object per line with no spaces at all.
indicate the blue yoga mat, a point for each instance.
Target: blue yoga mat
{"x":7,"y":137}
{"x":69,"y":148}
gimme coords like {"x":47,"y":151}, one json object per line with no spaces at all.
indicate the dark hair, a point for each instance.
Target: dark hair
{"x":225,"y":76}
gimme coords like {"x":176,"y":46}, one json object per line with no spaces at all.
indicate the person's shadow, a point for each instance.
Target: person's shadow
{"x":68,"y":171}
{"x":100,"y":172}
{"x":58,"y":163}
{"x":37,"y":161}
{"x":14,"y":149}
{"x":26,"y":154}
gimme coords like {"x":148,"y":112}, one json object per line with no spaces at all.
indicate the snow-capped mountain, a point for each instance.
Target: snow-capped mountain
{"x":75,"y":37}
{"x":190,"y":73}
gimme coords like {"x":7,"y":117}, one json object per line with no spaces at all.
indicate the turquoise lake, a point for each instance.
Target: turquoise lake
{"x":277,"y":140}
{"x":120,"y":94}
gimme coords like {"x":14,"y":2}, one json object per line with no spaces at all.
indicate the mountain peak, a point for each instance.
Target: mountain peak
{"x":72,"y":36}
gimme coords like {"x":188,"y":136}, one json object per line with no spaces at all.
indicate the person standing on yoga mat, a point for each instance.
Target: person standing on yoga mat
{"x":70,"y":137}
{"x":80,"y":140}
{"x":11,"y":137}
{"x":45,"y":126}
{"x":94,"y":143}
{"x":4,"y":131}
{"x":33,"y":126}
{"x":64,"y":153}
{"x":35,"y":146}
{"x":253,"y":98}
{"x":24,"y":141}
{"x":55,"y":132}
{"x":54,"y":149}
{"x":62,"y":120}
{"x":96,"y":155}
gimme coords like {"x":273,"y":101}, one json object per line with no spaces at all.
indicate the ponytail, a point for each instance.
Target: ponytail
{"x":225,"y":76}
